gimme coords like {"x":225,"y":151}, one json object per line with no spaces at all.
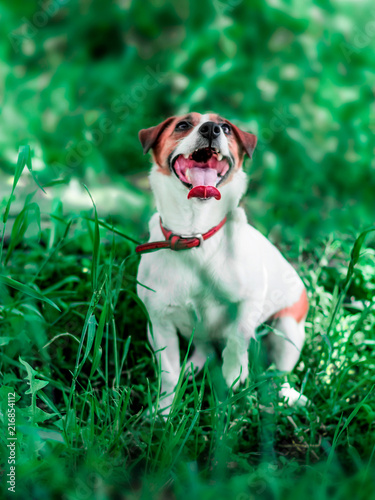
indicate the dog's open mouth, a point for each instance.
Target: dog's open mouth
{"x":202,"y":171}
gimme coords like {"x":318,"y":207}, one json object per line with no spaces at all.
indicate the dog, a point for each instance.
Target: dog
{"x":206,"y":270}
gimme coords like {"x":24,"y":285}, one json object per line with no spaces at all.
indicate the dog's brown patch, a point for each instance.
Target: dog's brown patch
{"x":298,"y":310}
{"x":169,"y":139}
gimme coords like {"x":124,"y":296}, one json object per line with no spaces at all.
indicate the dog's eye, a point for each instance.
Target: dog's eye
{"x":182,"y":125}
{"x":226,"y":128}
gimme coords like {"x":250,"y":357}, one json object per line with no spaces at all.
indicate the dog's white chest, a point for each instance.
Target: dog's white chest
{"x":189,"y":292}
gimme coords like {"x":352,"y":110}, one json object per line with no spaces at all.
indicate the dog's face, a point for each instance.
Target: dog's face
{"x":203,"y":152}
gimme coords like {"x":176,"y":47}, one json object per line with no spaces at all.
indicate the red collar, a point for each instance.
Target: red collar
{"x":176,"y":242}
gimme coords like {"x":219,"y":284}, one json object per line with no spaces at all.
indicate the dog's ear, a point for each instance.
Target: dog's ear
{"x":246,"y":140}
{"x":149,"y":136}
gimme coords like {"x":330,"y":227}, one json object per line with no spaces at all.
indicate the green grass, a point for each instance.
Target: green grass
{"x":74,"y":349}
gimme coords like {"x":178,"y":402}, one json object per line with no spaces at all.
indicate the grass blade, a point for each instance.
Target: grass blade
{"x":96,"y":247}
{"x":26,"y":290}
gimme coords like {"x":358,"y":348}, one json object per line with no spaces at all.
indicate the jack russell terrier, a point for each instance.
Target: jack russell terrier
{"x":210,"y":272}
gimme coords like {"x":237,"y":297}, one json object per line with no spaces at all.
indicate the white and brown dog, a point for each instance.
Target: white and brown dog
{"x":213,"y":273}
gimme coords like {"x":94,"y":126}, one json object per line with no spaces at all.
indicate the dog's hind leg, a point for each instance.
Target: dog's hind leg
{"x":286,"y":342}
{"x":285,"y":345}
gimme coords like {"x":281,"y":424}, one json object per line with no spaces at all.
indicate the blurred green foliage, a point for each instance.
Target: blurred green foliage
{"x":80,"y":78}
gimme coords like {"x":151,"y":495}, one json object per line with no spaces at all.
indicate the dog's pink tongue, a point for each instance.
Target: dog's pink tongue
{"x":204,"y":192}
{"x":204,"y":181}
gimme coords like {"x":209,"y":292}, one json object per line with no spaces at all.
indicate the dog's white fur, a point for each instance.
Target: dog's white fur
{"x":192,"y":288}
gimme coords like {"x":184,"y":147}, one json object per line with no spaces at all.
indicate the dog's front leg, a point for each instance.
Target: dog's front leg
{"x":164,"y":342}
{"x":236,"y":359}
{"x":238,"y":334}
{"x":202,"y":351}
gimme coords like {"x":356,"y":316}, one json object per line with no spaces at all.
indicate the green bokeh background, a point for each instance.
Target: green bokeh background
{"x":79,"y":79}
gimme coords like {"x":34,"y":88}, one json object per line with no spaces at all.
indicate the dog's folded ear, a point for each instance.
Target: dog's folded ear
{"x":246,"y":140}
{"x":150,"y":136}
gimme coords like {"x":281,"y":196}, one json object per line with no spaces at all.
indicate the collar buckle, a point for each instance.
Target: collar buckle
{"x":200,"y":238}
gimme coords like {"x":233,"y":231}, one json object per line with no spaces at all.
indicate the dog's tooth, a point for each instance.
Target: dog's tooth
{"x":186,"y":156}
{"x":187,"y":175}
{"x":219,"y":156}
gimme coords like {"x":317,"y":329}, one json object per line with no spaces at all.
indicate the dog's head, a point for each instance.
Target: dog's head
{"x":203,"y":152}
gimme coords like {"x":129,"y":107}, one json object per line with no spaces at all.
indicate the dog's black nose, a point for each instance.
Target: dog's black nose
{"x":209,"y":130}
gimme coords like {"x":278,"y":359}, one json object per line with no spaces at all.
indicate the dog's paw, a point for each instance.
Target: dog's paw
{"x":235,"y":366}
{"x":291,"y":396}
{"x":163,"y":408}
